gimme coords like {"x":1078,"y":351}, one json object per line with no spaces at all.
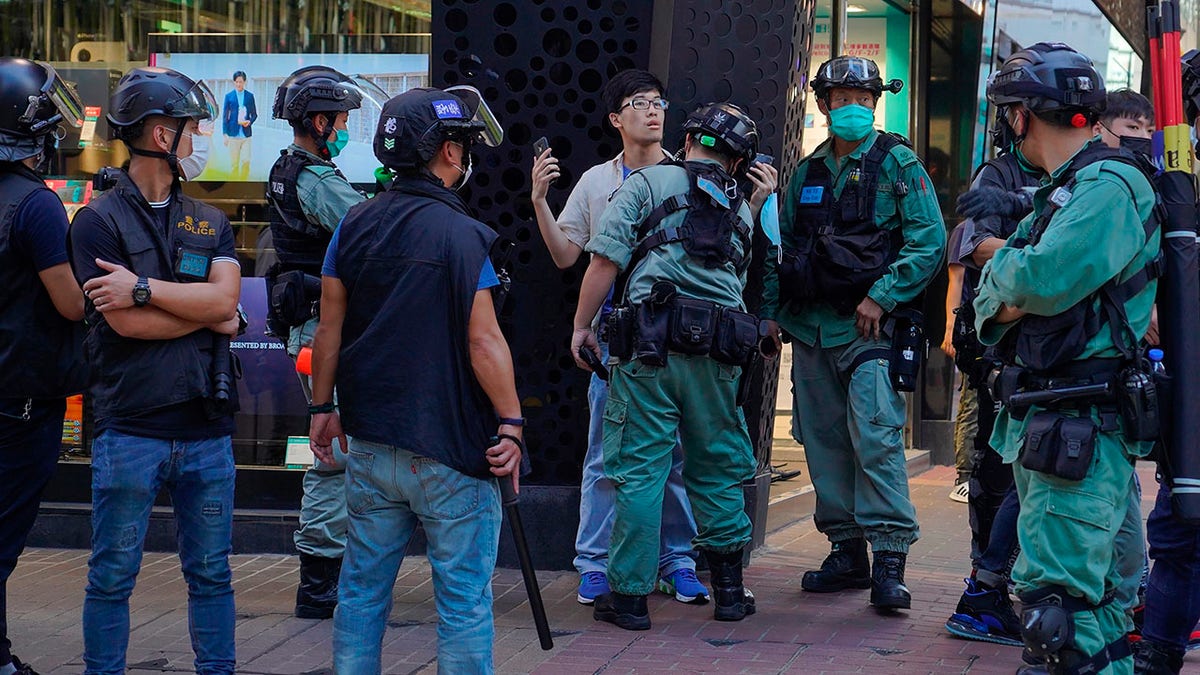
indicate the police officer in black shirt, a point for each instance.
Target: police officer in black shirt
{"x":160,"y":274}
{"x":41,"y":355}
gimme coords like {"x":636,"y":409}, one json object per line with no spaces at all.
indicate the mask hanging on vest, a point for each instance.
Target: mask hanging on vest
{"x":851,"y":122}
{"x":338,"y":144}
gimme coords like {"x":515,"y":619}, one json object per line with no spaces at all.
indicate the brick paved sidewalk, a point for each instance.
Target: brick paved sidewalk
{"x":792,"y":632}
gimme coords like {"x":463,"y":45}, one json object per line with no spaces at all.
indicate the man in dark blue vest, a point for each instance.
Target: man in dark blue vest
{"x":408,"y":332}
{"x":161,"y":278}
{"x":41,"y":350}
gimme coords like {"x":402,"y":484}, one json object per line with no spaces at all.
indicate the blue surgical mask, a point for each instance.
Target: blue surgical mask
{"x":338,"y":144}
{"x":851,"y":122}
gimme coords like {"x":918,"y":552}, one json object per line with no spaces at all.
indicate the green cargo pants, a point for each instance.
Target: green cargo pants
{"x":696,"y":397}
{"x":853,"y":423}
{"x":1069,"y":538}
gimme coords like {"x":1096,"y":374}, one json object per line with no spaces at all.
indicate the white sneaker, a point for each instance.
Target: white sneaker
{"x":961,"y":493}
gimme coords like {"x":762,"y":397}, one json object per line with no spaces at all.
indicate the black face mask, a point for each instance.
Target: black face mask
{"x":1136,"y":145}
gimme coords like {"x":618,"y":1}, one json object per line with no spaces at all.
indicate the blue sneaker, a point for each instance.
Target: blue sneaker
{"x":683,"y":584}
{"x":591,"y":584}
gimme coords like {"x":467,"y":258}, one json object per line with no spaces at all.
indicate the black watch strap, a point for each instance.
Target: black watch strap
{"x":141,"y":292}
{"x":513,"y":421}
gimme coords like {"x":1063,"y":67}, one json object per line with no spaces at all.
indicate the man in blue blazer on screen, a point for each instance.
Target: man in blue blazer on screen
{"x":239,"y":114}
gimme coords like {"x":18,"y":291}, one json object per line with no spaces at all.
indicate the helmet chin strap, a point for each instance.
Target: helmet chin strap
{"x":321,"y":140}
{"x":170,"y":157}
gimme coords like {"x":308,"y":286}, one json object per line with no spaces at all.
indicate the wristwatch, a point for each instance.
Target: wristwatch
{"x":141,"y":292}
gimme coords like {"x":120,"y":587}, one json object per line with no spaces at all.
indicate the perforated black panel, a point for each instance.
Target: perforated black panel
{"x":541,"y":65}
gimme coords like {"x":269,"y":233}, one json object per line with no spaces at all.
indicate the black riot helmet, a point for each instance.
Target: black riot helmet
{"x":413,"y":125}
{"x":1052,"y":80}
{"x":724,"y":128}
{"x":150,"y":91}
{"x":852,"y":72}
{"x":315,"y":89}
{"x":34,"y":102}
{"x":1191,"y":85}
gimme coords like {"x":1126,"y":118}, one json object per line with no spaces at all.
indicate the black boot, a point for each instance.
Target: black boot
{"x":887,"y":581}
{"x":624,"y":611}
{"x":846,"y":566}
{"x":317,"y":594}
{"x":733,"y":601}
{"x":1155,"y":658}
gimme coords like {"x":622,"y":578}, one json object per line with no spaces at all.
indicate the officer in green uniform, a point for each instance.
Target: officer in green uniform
{"x":679,"y":235}
{"x":862,"y":237}
{"x":1066,"y":299}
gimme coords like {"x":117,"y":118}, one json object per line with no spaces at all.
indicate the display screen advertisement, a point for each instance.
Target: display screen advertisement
{"x":246,"y":140}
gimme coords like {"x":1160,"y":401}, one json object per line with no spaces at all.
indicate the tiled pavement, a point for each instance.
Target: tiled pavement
{"x":792,"y":632}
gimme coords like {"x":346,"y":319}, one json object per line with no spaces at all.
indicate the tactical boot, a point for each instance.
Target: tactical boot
{"x":317,"y":594}
{"x":846,"y":566}
{"x":1155,"y":658}
{"x":733,"y":601}
{"x":624,"y":611}
{"x":887,"y":581}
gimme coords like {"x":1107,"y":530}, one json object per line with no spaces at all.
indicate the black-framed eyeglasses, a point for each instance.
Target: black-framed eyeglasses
{"x":645,"y":103}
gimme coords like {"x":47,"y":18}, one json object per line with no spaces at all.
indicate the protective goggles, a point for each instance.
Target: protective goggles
{"x":59,"y":93}
{"x":491,"y":133}
{"x":849,"y":68}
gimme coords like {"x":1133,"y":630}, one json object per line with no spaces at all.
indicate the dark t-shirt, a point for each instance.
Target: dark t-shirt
{"x":188,"y":421}
{"x":39,"y":232}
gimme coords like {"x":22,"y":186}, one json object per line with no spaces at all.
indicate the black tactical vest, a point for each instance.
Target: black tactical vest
{"x":299,"y":243}
{"x":41,"y":353}
{"x":130,"y":376}
{"x":1048,"y":343}
{"x":410,"y":260}
{"x":840,"y":251}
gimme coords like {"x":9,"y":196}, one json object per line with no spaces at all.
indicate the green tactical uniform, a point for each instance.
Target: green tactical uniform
{"x":1068,"y":530}
{"x":852,"y":422}
{"x":693,"y":396}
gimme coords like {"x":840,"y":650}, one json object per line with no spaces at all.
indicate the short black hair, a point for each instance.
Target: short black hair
{"x":627,"y":83}
{"x":1129,"y":104}
{"x":239,"y":73}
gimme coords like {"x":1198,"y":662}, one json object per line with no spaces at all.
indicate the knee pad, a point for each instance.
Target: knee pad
{"x":1047,"y":628}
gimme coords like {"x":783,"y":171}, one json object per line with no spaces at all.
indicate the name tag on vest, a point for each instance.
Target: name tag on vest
{"x":812,"y":194}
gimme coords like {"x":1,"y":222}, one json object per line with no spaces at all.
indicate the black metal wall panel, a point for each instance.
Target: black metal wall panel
{"x":541,"y":65}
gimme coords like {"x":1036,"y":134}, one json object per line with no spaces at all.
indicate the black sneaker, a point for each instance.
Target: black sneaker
{"x":22,"y":668}
{"x":846,"y":566}
{"x":1154,"y":658}
{"x":624,"y":611}
{"x":888,"y":591}
{"x":985,"y":613}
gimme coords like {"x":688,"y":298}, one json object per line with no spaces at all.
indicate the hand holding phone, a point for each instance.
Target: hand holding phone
{"x":761,"y":158}
{"x":589,"y":357}
{"x":539,"y":146}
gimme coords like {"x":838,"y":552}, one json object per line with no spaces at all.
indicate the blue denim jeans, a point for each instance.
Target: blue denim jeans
{"x":127,"y":474}
{"x":598,"y":500}
{"x":1173,"y":592}
{"x":388,"y":490}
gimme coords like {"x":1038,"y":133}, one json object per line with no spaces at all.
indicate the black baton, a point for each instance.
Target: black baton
{"x":511,"y":501}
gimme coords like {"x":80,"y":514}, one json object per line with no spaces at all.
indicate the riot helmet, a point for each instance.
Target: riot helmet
{"x":321,"y":89}
{"x":724,"y":128}
{"x":852,"y":72}
{"x":34,"y":102}
{"x":1053,"y":81}
{"x":413,"y":125}
{"x":147,"y":91}
{"x":1191,"y":85}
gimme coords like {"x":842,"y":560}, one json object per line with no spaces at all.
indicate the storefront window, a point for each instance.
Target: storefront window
{"x":94,"y":44}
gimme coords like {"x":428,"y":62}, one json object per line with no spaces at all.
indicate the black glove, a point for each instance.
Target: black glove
{"x":990,"y":201}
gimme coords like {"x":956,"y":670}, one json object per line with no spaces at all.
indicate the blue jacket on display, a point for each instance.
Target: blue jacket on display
{"x":230,"y":114}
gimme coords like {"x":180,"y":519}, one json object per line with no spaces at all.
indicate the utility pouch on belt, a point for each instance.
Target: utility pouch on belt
{"x":1137,"y":399}
{"x":737,"y":337}
{"x":1059,"y":445}
{"x":692,"y":325}
{"x":294,"y":297}
{"x":908,"y":349}
{"x":621,"y":324}
{"x":654,"y":325}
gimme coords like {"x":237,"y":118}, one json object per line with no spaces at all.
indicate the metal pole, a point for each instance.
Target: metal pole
{"x":837,"y":28}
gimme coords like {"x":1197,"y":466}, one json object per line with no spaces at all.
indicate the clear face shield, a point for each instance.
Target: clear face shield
{"x":68,"y":106}
{"x":199,"y":104}
{"x":370,"y":97}
{"x":492,"y":133}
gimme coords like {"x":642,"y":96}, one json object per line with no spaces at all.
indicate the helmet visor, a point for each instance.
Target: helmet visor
{"x":64,"y":98}
{"x":198,"y":103}
{"x":492,"y":134}
{"x":849,"y":69}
